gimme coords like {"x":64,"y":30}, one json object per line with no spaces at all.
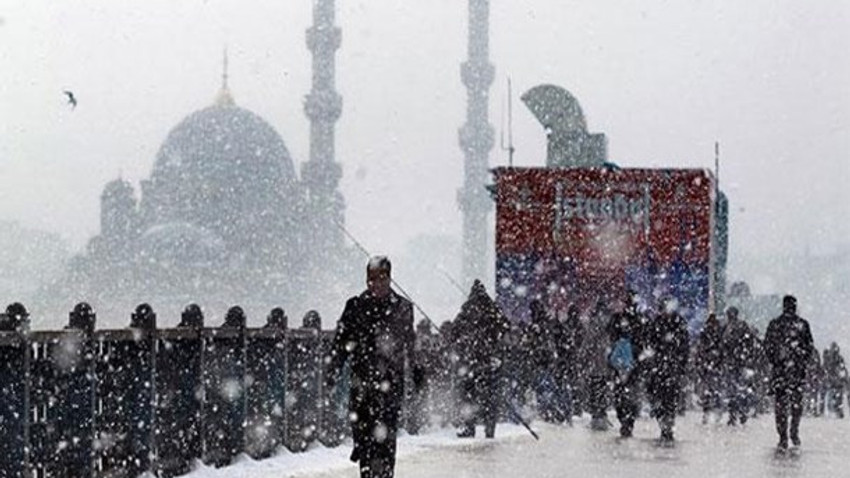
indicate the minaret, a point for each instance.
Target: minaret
{"x":321,"y":174}
{"x":476,"y":141}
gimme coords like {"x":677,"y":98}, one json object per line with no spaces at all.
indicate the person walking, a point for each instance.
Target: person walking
{"x":667,"y":349}
{"x":789,"y":348}
{"x":625,"y":331}
{"x":709,"y":367}
{"x":481,"y":330}
{"x":593,"y":358}
{"x":738,"y":348}
{"x":835,"y":372}
{"x":375,"y":332}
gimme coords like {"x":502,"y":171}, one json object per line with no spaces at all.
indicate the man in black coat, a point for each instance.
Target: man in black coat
{"x":480,"y":335}
{"x":376,"y":334}
{"x":568,"y":335}
{"x":709,"y":366}
{"x":739,"y":353}
{"x":666,"y":347}
{"x":789,"y":348}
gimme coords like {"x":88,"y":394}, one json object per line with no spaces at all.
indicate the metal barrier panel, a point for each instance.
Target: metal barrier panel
{"x":14,"y":413}
{"x":61,"y":404}
{"x":178,"y":400}
{"x":224,"y":394}
{"x":303,"y":350}
{"x":125,"y":390}
{"x":334,"y":404}
{"x":266,"y":384}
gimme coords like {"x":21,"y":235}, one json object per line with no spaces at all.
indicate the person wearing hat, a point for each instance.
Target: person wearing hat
{"x":789,"y":348}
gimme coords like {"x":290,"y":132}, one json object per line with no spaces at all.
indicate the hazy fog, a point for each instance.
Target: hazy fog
{"x":769,"y":79}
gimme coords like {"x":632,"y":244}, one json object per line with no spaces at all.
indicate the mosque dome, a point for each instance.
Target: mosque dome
{"x":218,"y":168}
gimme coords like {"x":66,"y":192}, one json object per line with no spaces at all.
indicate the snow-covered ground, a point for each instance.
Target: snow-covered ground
{"x":713,"y":450}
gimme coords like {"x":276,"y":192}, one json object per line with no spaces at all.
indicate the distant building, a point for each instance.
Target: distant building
{"x":218,"y":221}
{"x":224,"y":217}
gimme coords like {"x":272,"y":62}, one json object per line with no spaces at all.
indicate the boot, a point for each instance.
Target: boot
{"x":467,"y":432}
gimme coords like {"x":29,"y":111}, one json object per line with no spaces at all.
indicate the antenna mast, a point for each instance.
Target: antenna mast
{"x":717,"y":168}
{"x":510,"y":147}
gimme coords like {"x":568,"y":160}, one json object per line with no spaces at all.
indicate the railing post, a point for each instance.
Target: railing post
{"x":334,"y":403}
{"x":266,"y":383}
{"x":61,"y":398}
{"x":142,"y":418}
{"x":14,"y":391}
{"x":224,"y":389}
{"x":303,"y":387}
{"x":179,"y":388}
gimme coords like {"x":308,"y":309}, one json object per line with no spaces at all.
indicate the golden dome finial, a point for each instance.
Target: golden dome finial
{"x":224,"y":98}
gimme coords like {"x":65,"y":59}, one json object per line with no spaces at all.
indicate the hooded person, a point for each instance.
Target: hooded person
{"x":480,"y":334}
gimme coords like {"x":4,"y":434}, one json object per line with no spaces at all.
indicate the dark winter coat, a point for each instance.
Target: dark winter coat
{"x":480,"y":334}
{"x":834,"y":367}
{"x":628,"y":324}
{"x":789,"y":348}
{"x":666,"y":348}
{"x":739,"y":347}
{"x":568,"y":337}
{"x":709,"y":354}
{"x":541,"y":339}
{"x":377,"y":337}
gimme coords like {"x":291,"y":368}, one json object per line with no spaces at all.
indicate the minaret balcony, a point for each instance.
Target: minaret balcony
{"x":323,"y":105}
{"x":477,"y":74}
{"x":323,"y":38}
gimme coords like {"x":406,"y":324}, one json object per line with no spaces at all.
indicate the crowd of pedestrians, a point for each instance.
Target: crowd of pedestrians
{"x":624,"y":358}
{"x":481,"y":367}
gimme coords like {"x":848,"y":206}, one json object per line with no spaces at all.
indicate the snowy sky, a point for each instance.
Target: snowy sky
{"x":770,"y":79}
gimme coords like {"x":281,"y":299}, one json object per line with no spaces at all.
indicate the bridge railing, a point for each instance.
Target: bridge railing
{"x":94,"y":403}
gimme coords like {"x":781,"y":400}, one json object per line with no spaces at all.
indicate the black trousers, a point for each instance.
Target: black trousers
{"x":739,"y":390}
{"x":374,"y":429}
{"x":788,"y":404}
{"x":664,"y":392}
{"x":626,"y":402}
{"x":480,"y":400}
{"x":597,"y":396}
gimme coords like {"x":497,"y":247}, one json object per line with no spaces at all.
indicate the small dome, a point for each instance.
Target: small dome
{"x":117,"y":188}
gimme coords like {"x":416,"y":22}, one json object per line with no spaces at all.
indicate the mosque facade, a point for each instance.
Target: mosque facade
{"x":224,"y":218}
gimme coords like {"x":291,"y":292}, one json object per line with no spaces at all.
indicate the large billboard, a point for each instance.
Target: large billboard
{"x":578,"y":236}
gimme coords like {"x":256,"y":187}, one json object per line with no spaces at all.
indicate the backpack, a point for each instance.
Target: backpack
{"x":621,"y":357}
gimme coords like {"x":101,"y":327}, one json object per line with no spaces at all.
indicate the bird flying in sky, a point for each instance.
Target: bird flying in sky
{"x":72,"y":100}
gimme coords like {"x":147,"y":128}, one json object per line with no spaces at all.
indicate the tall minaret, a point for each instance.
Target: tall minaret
{"x":476,"y":141}
{"x":321,"y":174}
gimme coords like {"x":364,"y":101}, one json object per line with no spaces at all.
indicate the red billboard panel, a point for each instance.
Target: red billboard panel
{"x":584,"y":235}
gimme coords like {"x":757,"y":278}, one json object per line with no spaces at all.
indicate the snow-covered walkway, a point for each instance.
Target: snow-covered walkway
{"x":713,"y":450}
